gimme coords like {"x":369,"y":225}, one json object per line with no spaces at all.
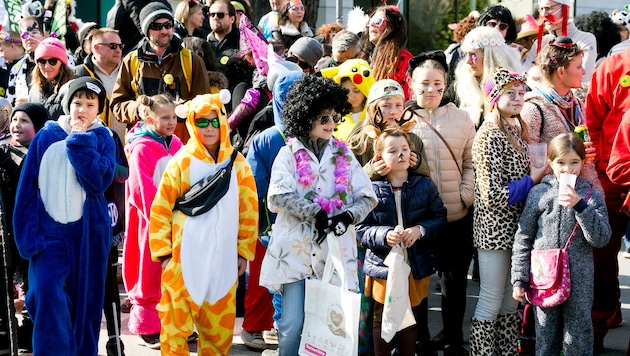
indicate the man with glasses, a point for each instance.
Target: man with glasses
{"x":224,"y":38}
{"x":159,"y":66}
{"x":556,"y":16}
{"x":125,"y":17}
{"x":103,"y":63}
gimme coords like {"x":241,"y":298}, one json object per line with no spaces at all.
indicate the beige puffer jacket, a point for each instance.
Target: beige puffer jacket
{"x":456,"y":189}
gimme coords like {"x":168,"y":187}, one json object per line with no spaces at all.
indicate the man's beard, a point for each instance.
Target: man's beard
{"x":160,"y":42}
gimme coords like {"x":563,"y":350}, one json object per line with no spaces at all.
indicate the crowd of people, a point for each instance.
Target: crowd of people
{"x":222,"y":155}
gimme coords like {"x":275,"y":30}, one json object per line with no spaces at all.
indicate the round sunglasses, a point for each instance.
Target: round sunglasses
{"x":326,"y":119}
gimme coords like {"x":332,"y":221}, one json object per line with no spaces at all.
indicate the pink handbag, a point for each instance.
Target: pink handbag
{"x":550,"y":278}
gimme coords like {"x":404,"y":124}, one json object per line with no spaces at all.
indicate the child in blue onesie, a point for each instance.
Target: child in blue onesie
{"x":62,"y":224}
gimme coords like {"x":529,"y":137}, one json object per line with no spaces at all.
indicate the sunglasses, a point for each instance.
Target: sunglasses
{"x":548,"y":9}
{"x":51,"y":61}
{"x":326,"y":119}
{"x":202,"y":123}
{"x":299,"y":62}
{"x":377,"y":22}
{"x":219,"y":15}
{"x":502,"y":26}
{"x":472,"y":56}
{"x":112,"y":45}
{"x":297,"y":8}
{"x":157,"y":26}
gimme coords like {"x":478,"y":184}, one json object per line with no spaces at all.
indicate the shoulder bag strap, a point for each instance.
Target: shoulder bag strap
{"x":590,"y":191}
{"x":445,"y":143}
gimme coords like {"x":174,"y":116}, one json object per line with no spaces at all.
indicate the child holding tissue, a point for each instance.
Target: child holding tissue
{"x":547,"y":222}
{"x":408,"y":219}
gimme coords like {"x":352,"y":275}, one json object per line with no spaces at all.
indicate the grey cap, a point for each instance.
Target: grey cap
{"x":308,"y":49}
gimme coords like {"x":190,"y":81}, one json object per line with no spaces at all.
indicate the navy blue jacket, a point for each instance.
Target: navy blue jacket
{"x":421,"y":205}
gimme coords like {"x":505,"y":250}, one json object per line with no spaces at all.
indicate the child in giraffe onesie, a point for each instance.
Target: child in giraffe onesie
{"x":203,"y":255}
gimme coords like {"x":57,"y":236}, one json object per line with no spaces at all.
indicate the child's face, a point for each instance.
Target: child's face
{"x":567,"y":163}
{"x":396,"y":153}
{"x":511,"y":101}
{"x":428,"y":87}
{"x":210,"y":135}
{"x":163,"y":120}
{"x":324,"y":124}
{"x":391,"y":107}
{"x":22,"y":129}
{"x":355,"y":97}
{"x":83,"y":112}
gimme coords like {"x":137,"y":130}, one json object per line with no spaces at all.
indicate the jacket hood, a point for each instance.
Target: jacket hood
{"x":200,"y":106}
{"x":280,"y":90}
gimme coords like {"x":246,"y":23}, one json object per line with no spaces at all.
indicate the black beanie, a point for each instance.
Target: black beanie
{"x":84,"y":83}
{"x":151,"y":12}
{"x":35,"y":111}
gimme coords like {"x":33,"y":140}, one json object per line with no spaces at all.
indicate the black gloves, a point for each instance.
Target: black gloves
{"x":339,"y":223}
{"x":321,"y":224}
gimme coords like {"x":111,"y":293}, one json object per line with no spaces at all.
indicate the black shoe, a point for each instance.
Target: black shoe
{"x":425,"y":349}
{"x":456,"y":350}
{"x":192,"y":338}
{"x":151,"y":341}
{"x":598,"y":346}
{"x":439,"y":341}
{"x":112,"y":347}
{"x":25,"y":334}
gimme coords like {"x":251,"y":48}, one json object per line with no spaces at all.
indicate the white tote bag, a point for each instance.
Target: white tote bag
{"x":331,"y":313}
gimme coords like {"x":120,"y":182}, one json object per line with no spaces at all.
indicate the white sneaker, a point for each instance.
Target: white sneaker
{"x":270,"y":336}
{"x":269,"y":353}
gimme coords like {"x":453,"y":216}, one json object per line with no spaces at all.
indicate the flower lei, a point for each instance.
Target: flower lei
{"x":341,"y":159}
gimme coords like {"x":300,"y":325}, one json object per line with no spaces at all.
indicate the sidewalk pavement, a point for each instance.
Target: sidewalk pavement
{"x":616,"y":341}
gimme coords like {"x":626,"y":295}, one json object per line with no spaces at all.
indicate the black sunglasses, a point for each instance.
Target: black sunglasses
{"x":52,"y":61}
{"x":326,"y":119}
{"x":299,"y":62}
{"x":112,"y":45}
{"x":157,"y":26}
{"x":203,"y":123}
{"x":220,"y":15}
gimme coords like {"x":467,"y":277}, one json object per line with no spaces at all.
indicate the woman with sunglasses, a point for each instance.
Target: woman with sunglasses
{"x":484,"y":49}
{"x":383,"y":43}
{"x":317,"y":187}
{"x":189,"y":19}
{"x":50,"y":74}
{"x":291,"y":25}
{"x":499,"y":17}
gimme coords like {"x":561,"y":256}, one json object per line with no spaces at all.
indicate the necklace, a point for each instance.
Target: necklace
{"x":340,"y":159}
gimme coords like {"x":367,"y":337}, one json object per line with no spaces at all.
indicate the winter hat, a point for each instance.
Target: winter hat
{"x":153,"y":11}
{"x":84,"y":83}
{"x":52,"y":48}
{"x":35,"y":111}
{"x":383,"y":88}
{"x":621,"y":17}
{"x":309,"y":49}
{"x":528,"y":27}
{"x":501,"y":79}
{"x":436,"y":55}
{"x":85,"y":30}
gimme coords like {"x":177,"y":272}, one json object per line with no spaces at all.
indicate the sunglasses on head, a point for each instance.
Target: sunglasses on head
{"x":51,"y":61}
{"x":112,"y":45}
{"x":326,"y":119}
{"x":202,"y":123}
{"x":219,"y":15}
{"x":157,"y":26}
{"x":501,"y":25}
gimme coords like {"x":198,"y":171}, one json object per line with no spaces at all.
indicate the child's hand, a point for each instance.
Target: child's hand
{"x":380,"y":167}
{"x":410,"y":236}
{"x":165,"y":262}
{"x":568,"y":200}
{"x":413,"y":159}
{"x":537,"y":174}
{"x":242,"y":265}
{"x":518,"y":293}
{"x":79,"y":124}
{"x":590,"y":152}
{"x":393,"y":238}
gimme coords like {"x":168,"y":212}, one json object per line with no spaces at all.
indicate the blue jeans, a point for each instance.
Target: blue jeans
{"x":292,"y":319}
{"x":495,"y":289}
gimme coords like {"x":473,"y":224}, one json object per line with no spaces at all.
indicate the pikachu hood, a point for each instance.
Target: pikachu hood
{"x":201,"y":106}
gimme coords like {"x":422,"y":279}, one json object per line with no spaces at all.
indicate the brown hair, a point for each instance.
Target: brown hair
{"x":383,"y":56}
{"x":148,"y":105}
{"x":551,"y":58}
{"x":464,"y":26}
{"x":65,"y":75}
{"x":565,"y":143}
{"x":394,"y":131}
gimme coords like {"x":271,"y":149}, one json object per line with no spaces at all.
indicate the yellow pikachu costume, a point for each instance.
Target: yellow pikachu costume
{"x":359,"y":73}
{"x":200,"y":253}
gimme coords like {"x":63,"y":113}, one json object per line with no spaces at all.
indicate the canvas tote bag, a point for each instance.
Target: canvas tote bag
{"x":331,"y":313}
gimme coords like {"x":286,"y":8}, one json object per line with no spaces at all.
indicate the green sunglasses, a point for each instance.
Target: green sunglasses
{"x":203,"y":122}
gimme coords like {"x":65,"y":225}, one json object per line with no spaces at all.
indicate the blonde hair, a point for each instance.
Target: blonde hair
{"x":360,"y":142}
{"x":148,"y":105}
{"x":495,"y":53}
{"x":184,"y":10}
{"x":565,"y":143}
{"x":495,"y":116}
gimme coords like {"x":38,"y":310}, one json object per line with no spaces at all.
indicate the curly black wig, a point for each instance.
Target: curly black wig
{"x":601,"y":25}
{"x":307,"y":98}
{"x":502,"y":13}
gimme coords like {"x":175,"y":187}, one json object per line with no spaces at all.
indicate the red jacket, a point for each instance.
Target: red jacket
{"x":619,"y":165}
